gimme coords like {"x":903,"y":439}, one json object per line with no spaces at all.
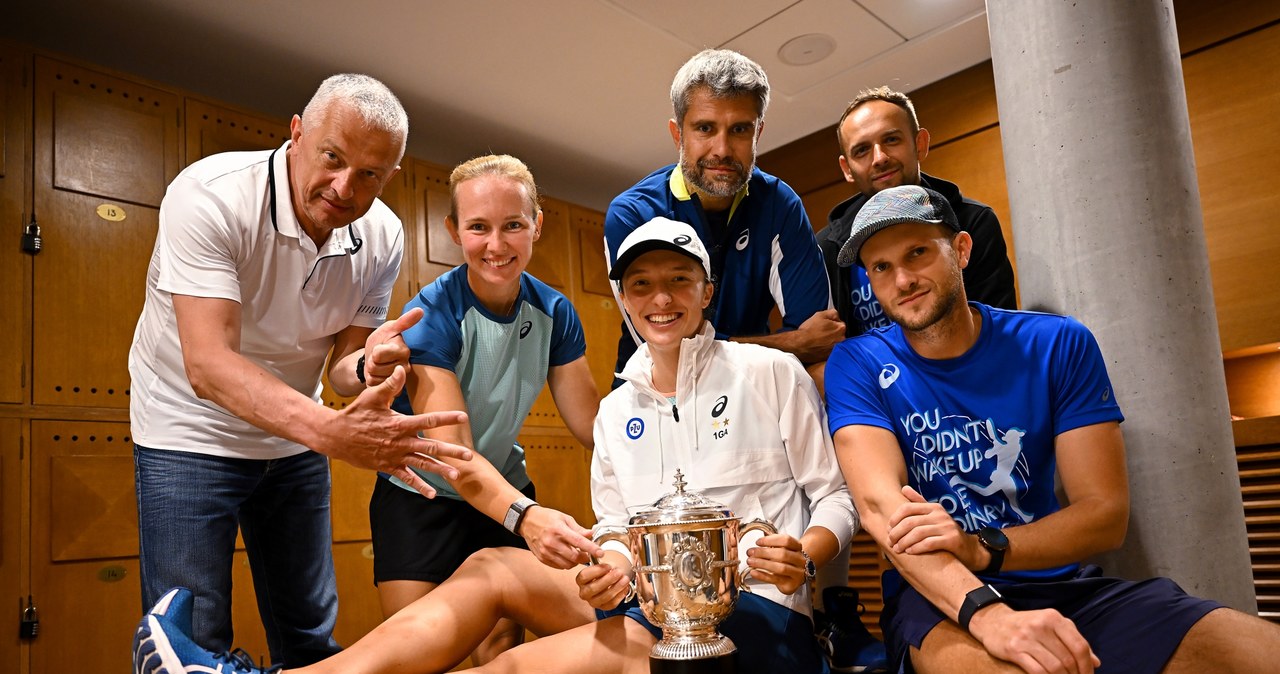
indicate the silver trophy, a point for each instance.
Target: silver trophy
{"x":685,"y":548}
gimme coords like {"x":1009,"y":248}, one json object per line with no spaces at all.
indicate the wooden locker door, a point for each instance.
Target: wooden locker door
{"x":593,"y":298}
{"x":15,"y":210}
{"x":212,"y":129}
{"x":105,"y":150}
{"x":435,"y":252}
{"x":560,"y":468}
{"x":13,"y":540}
{"x":84,"y":566}
{"x":550,"y":264}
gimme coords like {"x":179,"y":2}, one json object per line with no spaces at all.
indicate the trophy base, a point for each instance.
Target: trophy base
{"x":719,"y":664}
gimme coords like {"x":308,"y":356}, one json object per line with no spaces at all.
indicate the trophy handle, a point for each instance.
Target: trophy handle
{"x":620,"y":535}
{"x":757,"y":524}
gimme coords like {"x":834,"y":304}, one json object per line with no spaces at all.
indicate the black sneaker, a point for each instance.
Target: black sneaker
{"x":850,"y":648}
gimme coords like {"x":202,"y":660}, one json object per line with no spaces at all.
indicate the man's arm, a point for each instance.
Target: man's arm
{"x":554,"y":537}
{"x":811,"y":342}
{"x":873,"y":466}
{"x":989,"y":277}
{"x":1092,"y":467}
{"x":799,"y":286}
{"x":365,"y":433}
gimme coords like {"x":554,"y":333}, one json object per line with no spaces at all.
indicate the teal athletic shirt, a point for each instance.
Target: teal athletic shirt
{"x":501,"y":361}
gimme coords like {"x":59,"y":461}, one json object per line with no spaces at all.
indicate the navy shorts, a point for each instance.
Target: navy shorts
{"x":1131,"y":626}
{"x":770,"y":637}
{"x":427,"y":539}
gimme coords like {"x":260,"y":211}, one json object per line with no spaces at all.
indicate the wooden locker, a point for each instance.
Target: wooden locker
{"x":560,"y":468}
{"x":549,"y":265}
{"x":211,"y":129}
{"x":13,"y":540}
{"x":601,"y":315}
{"x":436,"y":252}
{"x":84,"y":545}
{"x":15,"y":211}
{"x":105,"y":150}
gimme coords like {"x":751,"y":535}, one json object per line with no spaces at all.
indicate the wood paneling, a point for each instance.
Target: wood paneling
{"x":1204,"y":22}
{"x":438,"y":253}
{"x":550,"y":261}
{"x":84,"y":570}
{"x":1233,"y":92}
{"x":12,"y":540}
{"x":600,"y":313}
{"x":100,"y":142}
{"x":211,"y":129}
{"x":15,"y":211}
{"x":349,"y":501}
{"x":1253,"y":385}
{"x":398,"y":196}
{"x":1260,"y":485}
{"x":560,"y":468}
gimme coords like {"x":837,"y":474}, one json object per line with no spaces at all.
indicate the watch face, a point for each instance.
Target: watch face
{"x":993,"y":539}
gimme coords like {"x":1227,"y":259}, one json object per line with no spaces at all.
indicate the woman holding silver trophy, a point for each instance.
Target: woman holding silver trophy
{"x":744,"y":426}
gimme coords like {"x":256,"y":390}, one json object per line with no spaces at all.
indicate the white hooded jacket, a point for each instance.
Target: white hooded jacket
{"x":747,"y":429}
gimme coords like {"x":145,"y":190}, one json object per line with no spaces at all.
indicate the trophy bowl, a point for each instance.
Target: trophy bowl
{"x":685,"y":548}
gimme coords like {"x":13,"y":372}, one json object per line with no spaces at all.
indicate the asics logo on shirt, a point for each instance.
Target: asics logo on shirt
{"x":888,"y":375}
{"x":741,"y":243}
{"x":524,"y":329}
{"x":720,"y":405}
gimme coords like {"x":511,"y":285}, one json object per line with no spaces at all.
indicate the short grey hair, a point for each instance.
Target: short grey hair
{"x":725,"y":74}
{"x":371,"y":99}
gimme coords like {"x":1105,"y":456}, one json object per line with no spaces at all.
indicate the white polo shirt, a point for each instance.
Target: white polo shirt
{"x":226,"y":233}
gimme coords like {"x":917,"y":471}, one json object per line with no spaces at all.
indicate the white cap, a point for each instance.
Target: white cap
{"x":660,"y":234}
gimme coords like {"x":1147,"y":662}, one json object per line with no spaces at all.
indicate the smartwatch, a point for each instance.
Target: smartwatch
{"x":810,"y":569}
{"x":976,"y":599}
{"x":997,"y":543}
{"x":360,"y":369}
{"x":515,"y":514}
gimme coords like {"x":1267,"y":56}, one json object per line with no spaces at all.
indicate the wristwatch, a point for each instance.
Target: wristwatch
{"x":974,"y":600}
{"x":360,"y":369}
{"x":515,"y":514}
{"x":810,"y":569}
{"x":997,"y":543}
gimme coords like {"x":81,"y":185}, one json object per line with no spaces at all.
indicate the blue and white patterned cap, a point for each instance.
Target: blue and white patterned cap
{"x":896,"y":205}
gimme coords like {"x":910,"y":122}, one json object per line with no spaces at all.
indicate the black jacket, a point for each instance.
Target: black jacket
{"x":988,"y":278}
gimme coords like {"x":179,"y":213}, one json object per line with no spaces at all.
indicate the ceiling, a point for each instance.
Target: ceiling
{"x":577,"y":88}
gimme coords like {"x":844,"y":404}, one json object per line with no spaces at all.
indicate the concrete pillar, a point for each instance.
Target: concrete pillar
{"x":1107,"y":228}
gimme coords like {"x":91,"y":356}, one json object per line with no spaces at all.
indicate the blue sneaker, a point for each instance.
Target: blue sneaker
{"x":163,"y":645}
{"x":849,"y":646}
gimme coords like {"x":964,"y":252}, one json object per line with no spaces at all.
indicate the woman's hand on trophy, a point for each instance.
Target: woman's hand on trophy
{"x":605,"y":584}
{"x":776,"y":559}
{"x":556,"y":539}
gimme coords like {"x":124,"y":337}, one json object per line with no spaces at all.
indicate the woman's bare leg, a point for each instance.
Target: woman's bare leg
{"x":616,"y":644}
{"x":439,"y":630}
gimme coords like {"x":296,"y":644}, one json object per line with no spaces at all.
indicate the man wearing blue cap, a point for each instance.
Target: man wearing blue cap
{"x":950,"y":426}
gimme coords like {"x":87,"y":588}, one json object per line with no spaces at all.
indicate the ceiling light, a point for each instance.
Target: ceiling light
{"x":806,"y":49}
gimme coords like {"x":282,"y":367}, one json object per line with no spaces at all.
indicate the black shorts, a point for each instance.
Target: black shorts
{"x":427,"y":539}
{"x":1131,"y":626}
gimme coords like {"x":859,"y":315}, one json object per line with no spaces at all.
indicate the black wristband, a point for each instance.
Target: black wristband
{"x":360,"y":370}
{"x":977,"y":598}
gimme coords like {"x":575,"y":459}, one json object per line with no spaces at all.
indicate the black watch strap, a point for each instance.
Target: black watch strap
{"x":977,"y":598}
{"x":996,"y":543}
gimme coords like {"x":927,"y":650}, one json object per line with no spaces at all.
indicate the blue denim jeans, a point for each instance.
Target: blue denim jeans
{"x":189,"y":507}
